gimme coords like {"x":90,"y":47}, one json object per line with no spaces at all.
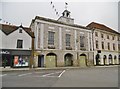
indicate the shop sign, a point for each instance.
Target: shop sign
{"x":4,"y":52}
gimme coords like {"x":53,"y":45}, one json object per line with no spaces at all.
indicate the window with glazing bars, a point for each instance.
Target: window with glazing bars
{"x":108,"y":46}
{"x":51,"y":38}
{"x":113,"y":46}
{"x":82,"y":38}
{"x":97,"y":44}
{"x":19,"y":43}
{"x":102,"y":45}
{"x":68,"y":39}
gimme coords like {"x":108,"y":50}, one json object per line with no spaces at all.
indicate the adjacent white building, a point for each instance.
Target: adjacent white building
{"x":16,"y":45}
{"x":106,"y":44}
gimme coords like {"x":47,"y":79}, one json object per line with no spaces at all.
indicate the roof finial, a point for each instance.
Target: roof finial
{"x":66,"y":5}
{"x":21,"y":25}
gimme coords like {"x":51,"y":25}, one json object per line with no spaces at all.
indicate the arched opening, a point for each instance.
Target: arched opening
{"x":115,"y":59}
{"x":110,"y":59}
{"x":83,"y":60}
{"x":51,"y":60}
{"x":105,"y":59}
{"x":119,"y":59}
{"x":68,"y":58}
{"x":97,"y":57}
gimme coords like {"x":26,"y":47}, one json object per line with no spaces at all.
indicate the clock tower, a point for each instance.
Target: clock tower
{"x":66,"y":17}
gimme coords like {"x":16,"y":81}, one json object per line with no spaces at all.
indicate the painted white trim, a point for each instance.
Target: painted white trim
{"x":91,"y":41}
{"x":82,"y":33}
{"x":67,"y":30}
{"x":65,"y":26}
{"x":75,"y":39}
{"x":42,"y":36}
{"x":60,"y":38}
{"x":51,"y":27}
{"x":36,"y":35}
{"x":88,"y":42}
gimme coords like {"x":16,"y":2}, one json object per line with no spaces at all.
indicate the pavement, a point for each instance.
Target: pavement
{"x":39,"y":68}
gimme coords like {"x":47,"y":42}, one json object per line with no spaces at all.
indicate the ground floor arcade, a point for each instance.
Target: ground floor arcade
{"x":106,"y":58}
{"x":58,"y":58}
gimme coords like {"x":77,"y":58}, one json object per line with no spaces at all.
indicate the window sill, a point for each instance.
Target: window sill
{"x":68,"y":48}
{"x":51,"y":47}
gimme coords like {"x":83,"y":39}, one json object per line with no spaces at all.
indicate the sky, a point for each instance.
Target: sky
{"x":83,"y":11}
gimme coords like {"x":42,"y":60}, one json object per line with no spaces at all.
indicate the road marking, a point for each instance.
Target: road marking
{"x":50,"y":74}
{"x":3,"y":75}
{"x":61,"y":74}
{"x":24,"y":74}
{"x":39,"y":72}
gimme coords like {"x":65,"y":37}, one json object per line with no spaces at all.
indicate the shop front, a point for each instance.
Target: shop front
{"x":5,"y":58}
{"x":20,"y":58}
{"x":15,"y":58}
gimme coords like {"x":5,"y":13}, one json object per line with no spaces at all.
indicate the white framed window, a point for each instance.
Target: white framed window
{"x":51,"y":37}
{"x":19,"y":43}
{"x":68,"y":39}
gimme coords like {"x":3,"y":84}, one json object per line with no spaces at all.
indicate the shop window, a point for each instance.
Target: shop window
{"x":21,"y":61}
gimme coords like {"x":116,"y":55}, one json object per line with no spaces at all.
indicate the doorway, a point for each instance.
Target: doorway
{"x":68,"y":58}
{"x":97,"y":57}
{"x":41,"y":61}
{"x":51,"y":60}
{"x":82,"y":60}
{"x":105,"y":60}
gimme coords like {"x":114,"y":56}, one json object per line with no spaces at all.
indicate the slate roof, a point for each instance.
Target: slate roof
{"x":101,"y":27}
{"x":8,"y":29}
{"x":58,"y":22}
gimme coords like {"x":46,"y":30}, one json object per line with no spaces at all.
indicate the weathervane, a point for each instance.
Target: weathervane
{"x":66,"y":4}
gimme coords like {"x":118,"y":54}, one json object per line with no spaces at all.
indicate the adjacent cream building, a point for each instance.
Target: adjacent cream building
{"x":61,"y":43}
{"x":106,"y":44}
